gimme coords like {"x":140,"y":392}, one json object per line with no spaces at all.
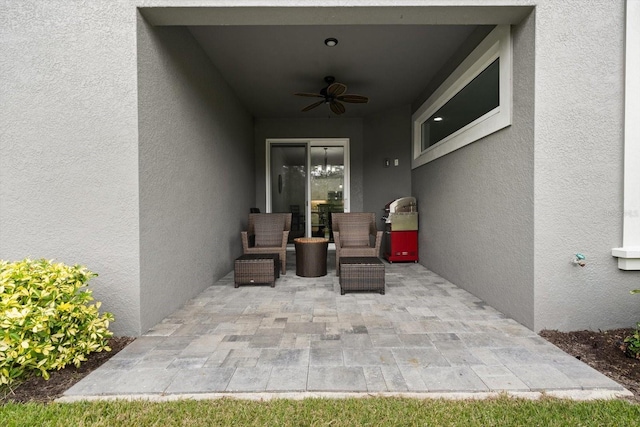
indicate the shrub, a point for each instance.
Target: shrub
{"x":631,"y":344}
{"x":46,"y":319}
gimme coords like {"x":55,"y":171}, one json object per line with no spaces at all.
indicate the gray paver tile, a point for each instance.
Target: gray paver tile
{"x":158,"y":359}
{"x":374,"y":379}
{"x":452,"y":379}
{"x":121,"y":363}
{"x":202,"y":345}
{"x":358,"y":341}
{"x":585,"y":376}
{"x":134,"y":381}
{"x":162,"y":330}
{"x":543,"y":377}
{"x":265,"y":341}
{"x":288,"y":378}
{"x":415,"y":340}
{"x":385,"y":340}
{"x":516,"y":356}
{"x":304,"y":328}
{"x":187,"y":363}
{"x":393,"y":378}
{"x":425,"y":335}
{"x":499,"y":378}
{"x":217,"y":358}
{"x":337,"y":378}
{"x":371,"y":357}
{"x":141,"y":346}
{"x":250,"y":379}
{"x":412,"y":378}
{"x":284,"y":357}
{"x":419,"y":357}
{"x":202,"y":380}
{"x":326,"y":357}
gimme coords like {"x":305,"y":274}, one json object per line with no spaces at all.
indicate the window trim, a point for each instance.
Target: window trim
{"x":497,"y":44}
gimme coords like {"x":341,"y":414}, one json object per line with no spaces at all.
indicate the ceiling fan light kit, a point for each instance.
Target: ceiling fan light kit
{"x":334,"y":94}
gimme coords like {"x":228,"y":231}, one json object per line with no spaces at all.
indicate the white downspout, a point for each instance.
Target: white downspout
{"x":629,"y":254}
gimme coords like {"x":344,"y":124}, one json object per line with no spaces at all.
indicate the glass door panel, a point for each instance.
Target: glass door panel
{"x":289,"y":184}
{"x":327,"y":182}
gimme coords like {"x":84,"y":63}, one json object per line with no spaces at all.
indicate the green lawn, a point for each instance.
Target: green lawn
{"x":326,"y":412}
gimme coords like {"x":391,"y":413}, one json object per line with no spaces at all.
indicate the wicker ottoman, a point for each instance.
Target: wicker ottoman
{"x":361,"y":274}
{"x":256,"y":268}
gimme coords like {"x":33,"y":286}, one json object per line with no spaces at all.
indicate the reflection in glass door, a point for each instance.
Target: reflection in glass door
{"x":310,"y":179}
{"x":289,"y":184}
{"x":327,"y":185}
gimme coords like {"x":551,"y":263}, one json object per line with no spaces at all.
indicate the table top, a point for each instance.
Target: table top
{"x":311,"y":240}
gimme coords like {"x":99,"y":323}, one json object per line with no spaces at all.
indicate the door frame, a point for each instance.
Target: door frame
{"x":310,"y":142}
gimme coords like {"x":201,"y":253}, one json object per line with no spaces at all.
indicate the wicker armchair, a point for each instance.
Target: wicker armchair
{"x":355,"y":235}
{"x":267,"y":233}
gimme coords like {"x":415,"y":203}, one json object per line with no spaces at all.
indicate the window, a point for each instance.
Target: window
{"x":472,"y":103}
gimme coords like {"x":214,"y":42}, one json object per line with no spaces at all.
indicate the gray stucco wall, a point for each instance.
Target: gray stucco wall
{"x":578,"y":167}
{"x":196,"y":171}
{"x":386,"y":136}
{"x":69,"y":143}
{"x":510,"y":210}
{"x":505,"y":215}
{"x":476,"y":204}
{"x":310,"y":128}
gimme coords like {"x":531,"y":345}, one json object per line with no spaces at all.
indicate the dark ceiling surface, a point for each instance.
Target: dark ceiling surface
{"x":266,"y":64}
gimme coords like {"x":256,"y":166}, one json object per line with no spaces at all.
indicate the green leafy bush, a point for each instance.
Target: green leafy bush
{"x":46,"y":319}
{"x":631,"y":344}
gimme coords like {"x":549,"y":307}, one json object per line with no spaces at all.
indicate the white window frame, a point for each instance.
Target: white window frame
{"x":629,"y":254}
{"x":497,"y":44}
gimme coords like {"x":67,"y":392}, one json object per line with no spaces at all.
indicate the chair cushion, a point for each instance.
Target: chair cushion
{"x":354,"y":234}
{"x":268,"y":231}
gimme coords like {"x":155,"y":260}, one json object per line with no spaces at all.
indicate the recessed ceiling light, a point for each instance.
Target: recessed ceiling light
{"x":438,"y":119}
{"x":331,"y":42}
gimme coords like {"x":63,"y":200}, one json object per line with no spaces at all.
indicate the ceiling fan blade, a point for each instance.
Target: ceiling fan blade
{"x":312,"y":106}
{"x":357,"y":99}
{"x":337,"y":107}
{"x":336,"y":89}
{"x":313,"y":95}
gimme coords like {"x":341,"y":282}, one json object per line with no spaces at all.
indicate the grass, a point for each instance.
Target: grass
{"x":375,"y":411}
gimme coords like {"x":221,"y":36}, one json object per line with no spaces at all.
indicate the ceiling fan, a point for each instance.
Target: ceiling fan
{"x":334,"y":94}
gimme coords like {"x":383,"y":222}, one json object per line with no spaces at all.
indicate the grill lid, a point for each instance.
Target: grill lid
{"x":403,"y":204}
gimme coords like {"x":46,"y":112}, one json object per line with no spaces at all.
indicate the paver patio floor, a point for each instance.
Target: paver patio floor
{"x":425,"y":335}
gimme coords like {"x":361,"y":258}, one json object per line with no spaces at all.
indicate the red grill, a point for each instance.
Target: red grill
{"x":401,"y":230}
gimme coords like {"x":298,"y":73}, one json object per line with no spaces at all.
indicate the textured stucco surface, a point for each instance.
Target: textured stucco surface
{"x":476,"y":204}
{"x":69,"y":145}
{"x":578,"y":166}
{"x":502,"y":217}
{"x":521,"y":260}
{"x":310,"y":128}
{"x":386,"y":136}
{"x":196,"y":171}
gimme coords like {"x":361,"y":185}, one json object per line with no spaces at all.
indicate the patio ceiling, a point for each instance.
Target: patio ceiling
{"x":388,"y":54}
{"x":266,"y":65}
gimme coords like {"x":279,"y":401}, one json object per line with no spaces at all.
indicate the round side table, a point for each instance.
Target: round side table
{"x":311,"y":256}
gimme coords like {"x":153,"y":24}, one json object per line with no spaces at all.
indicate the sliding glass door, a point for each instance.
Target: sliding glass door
{"x":288,"y":187}
{"x":310,"y":179}
{"x":327,"y":188}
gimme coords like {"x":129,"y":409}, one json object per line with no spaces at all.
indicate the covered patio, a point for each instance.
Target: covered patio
{"x":302,"y":338}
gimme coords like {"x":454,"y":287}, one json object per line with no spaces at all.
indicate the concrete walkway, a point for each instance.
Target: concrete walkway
{"x":425,"y":337}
